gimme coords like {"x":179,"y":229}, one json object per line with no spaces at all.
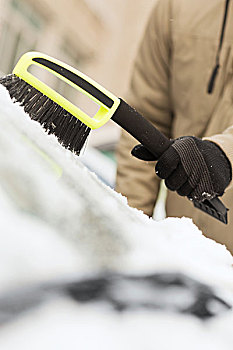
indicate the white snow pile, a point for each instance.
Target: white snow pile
{"x":60,"y":223}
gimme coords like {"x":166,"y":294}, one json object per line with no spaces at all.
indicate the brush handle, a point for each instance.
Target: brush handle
{"x":142,"y":130}
{"x":157,"y":143}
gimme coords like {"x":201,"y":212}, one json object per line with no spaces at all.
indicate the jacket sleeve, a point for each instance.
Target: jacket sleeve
{"x":225,"y":141}
{"x":149,"y":94}
{"x":220,"y":129}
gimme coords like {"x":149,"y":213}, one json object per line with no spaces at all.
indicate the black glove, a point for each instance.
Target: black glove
{"x":193,"y":167}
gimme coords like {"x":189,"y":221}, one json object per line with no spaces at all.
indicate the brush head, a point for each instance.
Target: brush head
{"x":70,"y":131}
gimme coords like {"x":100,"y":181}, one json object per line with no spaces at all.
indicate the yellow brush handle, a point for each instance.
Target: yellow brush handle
{"x":93,"y":90}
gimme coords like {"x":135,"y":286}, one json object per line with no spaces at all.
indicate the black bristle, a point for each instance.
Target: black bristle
{"x":35,"y":110}
{"x":42,"y":113}
{"x":69,"y":130}
{"x":31,"y":103}
{"x":49,"y":116}
{"x":80,"y":138}
{"x":62,"y":125}
{"x":73,"y":135}
{"x":28,"y":97}
{"x":22,"y":92}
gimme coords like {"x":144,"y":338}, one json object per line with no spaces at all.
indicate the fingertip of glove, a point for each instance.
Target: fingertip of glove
{"x":167,"y":163}
{"x":142,"y":153}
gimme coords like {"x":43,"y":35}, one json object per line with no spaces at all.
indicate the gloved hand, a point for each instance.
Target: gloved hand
{"x":193,"y":167}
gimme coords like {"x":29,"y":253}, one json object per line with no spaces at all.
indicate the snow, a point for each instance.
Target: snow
{"x":65,"y":325}
{"x":59,"y":221}
{"x":104,"y":167}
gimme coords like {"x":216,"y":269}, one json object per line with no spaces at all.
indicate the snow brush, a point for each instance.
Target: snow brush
{"x":71,"y":125}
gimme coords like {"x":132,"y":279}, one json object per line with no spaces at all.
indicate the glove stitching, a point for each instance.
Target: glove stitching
{"x":195,"y":167}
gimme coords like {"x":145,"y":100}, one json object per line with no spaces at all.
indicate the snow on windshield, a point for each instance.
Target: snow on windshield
{"x":60,"y":223}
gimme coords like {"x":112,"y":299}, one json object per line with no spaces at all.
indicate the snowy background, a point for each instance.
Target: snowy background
{"x":66,"y":236}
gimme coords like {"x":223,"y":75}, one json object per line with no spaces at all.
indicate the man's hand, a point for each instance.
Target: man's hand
{"x":193,"y":167}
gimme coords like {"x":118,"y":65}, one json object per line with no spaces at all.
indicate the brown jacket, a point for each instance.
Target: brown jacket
{"x":169,"y":87}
